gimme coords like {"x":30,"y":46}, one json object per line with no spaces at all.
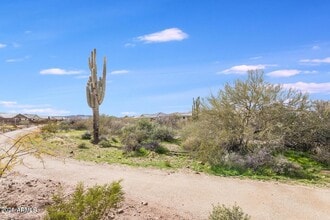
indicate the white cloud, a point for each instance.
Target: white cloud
{"x":284,"y":73}
{"x":45,"y":111}
{"x":8,"y":104}
{"x":15,"y":60}
{"x":3,"y":45}
{"x":315,"y":61}
{"x":27,"y":32}
{"x":14,"y":104}
{"x":242,"y":69}
{"x":310,"y":87}
{"x":117,"y":72}
{"x":58,"y":71}
{"x":310,"y":71}
{"x":171,"y":34}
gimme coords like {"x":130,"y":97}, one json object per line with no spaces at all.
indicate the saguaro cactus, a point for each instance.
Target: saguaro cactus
{"x":95,"y":91}
{"x":196,"y":108}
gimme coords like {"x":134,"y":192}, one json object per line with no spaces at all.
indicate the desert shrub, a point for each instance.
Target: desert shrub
{"x":114,"y":140}
{"x":86,"y":136}
{"x":322,"y":155}
{"x":162,"y":133}
{"x":82,"y":146}
{"x":259,"y":158}
{"x":221,"y":212}
{"x":161,"y":150}
{"x":146,"y":134}
{"x":110,"y":125}
{"x":171,"y":121}
{"x":141,"y":152}
{"x":81,"y":124}
{"x":141,"y":134}
{"x":105,"y":143}
{"x":308,"y":130}
{"x":254,"y":161}
{"x":151,"y":145}
{"x":283,"y":166}
{"x":191,"y":137}
{"x":191,"y":143}
{"x":247,"y":123}
{"x":93,"y":203}
{"x":103,"y":138}
{"x":132,"y":137}
{"x":51,"y":127}
{"x":64,"y":125}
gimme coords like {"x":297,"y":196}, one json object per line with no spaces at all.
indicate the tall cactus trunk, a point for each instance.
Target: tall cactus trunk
{"x":95,"y":91}
{"x":96,"y":116}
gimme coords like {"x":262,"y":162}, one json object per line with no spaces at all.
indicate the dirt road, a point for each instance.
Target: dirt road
{"x":188,"y":193}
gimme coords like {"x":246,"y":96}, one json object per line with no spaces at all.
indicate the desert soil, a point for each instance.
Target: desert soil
{"x":156,"y":194}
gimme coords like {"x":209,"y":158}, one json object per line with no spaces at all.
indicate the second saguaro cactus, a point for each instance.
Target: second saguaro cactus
{"x":196,"y":108}
{"x":95,"y":91}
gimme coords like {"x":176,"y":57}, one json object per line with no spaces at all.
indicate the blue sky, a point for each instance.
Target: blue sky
{"x":161,"y":53}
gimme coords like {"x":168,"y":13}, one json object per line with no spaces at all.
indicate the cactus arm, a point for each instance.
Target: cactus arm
{"x":104,"y":68}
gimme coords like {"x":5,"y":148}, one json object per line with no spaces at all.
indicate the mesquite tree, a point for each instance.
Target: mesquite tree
{"x":95,"y":91}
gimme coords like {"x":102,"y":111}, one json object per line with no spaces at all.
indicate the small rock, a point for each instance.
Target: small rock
{"x":197,"y":172}
{"x":120,"y":211}
{"x":144,"y":203}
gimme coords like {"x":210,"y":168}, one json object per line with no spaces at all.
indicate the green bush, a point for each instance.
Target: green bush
{"x":162,"y":133}
{"x":64,"y":126}
{"x":221,"y":212}
{"x":82,"y":146}
{"x":161,"y":150}
{"x":90,"y":204}
{"x":114,"y":140}
{"x":81,"y":124}
{"x":245,"y":125}
{"x":105,"y":143}
{"x":137,"y":135}
{"x":51,"y":127}
{"x":146,"y":134}
{"x":86,"y":136}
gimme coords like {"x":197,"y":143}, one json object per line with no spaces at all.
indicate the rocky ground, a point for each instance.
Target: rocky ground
{"x":23,"y":198}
